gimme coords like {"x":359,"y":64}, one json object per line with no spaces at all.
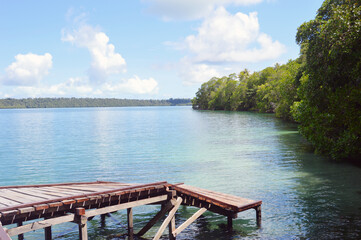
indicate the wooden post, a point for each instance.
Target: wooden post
{"x":258,"y":215}
{"x":229,"y":222}
{"x":48,"y":234}
{"x":102,"y":220}
{"x":20,"y":236}
{"x":171,"y":227}
{"x":82,"y":223}
{"x":130,"y":222}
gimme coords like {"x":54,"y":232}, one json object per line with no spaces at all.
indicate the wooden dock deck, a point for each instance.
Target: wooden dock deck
{"x":51,"y":204}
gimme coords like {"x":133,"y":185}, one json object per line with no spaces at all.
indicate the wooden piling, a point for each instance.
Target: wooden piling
{"x":259,"y":216}
{"x":130,"y":222}
{"x":82,"y":220}
{"x":20,"y":236}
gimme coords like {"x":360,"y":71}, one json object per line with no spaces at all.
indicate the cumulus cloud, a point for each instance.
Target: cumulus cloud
{"x":80,"y":87}
{"x":196,"y":73}
{"x":133,"y":85}
{"x":28,"y":69}
{"x":223,"y":37}
{"x":189,"y":9}
{"x":105,"y":61}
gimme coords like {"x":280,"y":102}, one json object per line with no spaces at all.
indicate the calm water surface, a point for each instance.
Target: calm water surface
{"x":251,"y":155}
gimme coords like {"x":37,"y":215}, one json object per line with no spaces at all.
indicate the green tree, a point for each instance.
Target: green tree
{"x":330,"y":108}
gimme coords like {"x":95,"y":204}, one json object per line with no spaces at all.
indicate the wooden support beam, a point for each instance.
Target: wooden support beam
{"x":189,"y":221}
{"x":171,"y":228}
{"x":114,"y":208}
{"x":259,"y":215}
{"x":82,"y":220}
{"x":168,"y":219}
{"x":229,"y":222}
{"x":102,"y":220}
{"x":159,"y":215}
{"x":3,"y":234}
{"x":48,"y":234}
{"x":40,"y":225}
{"x":130,"y":222}
{"x":20,"y":236}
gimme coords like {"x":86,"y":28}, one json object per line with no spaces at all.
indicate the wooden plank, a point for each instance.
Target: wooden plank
{"x":30,"y":192}
{"x":212,"y":198}
{"x":44,"y":191}
{"x":189,"y":221}
{"x":40,"y":225}
{"x":118,"y":207}
{"x":168,"y":219}
{"x":20,"y":197}
{"x":3,"y":234}
{"x":155,"y":219}
{"x":8,"y":202}
{"x":53,"y":184}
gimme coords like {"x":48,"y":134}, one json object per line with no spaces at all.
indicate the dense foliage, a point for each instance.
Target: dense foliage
{"x":87,"y":102}
{"x":330,"y":108}
{"x":321,"y":89}
{"x":273,"y":89}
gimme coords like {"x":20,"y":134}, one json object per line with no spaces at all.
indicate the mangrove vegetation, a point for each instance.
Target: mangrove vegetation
{"x":321,"y":90}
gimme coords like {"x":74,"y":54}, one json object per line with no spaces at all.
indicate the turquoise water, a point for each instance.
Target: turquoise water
{"x":251,"y":155}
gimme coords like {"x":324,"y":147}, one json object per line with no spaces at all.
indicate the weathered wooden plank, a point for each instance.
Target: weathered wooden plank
{"x":168,"y":219}
{"x":46,"y":192}
{"x":154,"y":220}
{"x":8,"y":202}
{"x":213,"y":198}
{"x":40,"y":224}
{"x":31,"y":192}
{"x":3,"y":234}
{"x":118,"y":207}
{"x":55,"y":184}
{"x":20,"y":197}
{"x":189,"y":221}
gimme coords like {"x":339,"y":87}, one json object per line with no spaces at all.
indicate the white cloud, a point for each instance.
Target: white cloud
{"x":189,"y":9}
{"x":105,"y":61}
{"x":28,"y":69}
{"x":223,"y":40}
{"x":133,"y":85}
{"x":223,"y":37}
{"x":80,"y":87}
{"x":196,"y":73}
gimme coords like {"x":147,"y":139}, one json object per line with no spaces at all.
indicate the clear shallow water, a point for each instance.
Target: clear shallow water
{"x":247,"y":154}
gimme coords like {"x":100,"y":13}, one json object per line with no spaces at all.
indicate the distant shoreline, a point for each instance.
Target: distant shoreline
{"x":13,"y":103}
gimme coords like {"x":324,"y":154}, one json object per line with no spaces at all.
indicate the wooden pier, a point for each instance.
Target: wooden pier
{"x":50,"y":204}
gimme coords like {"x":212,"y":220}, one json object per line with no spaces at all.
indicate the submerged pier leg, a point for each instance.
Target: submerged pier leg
{"x":102,"y":220}
{"x":82,"y":223}
{"x":48,"y":234}
{"x":130,"y":222}
{"x":171,"y":227}
{"x":258,"y":215}
{"x":20,"y":236}
{"x":229,"y":222}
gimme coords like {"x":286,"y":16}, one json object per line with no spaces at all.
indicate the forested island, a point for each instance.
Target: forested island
{"x":88,"y":102}
{"x":321,"y":90}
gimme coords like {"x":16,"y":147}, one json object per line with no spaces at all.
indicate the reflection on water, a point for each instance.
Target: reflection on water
{"x":251,"y":155}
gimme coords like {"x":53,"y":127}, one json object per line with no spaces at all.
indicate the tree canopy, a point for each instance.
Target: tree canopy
{"x":321,"y":89}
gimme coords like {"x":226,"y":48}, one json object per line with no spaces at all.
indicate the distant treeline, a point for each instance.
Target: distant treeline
{"x":88,"y":102}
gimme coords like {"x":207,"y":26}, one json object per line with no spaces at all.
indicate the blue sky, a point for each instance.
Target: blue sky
{"x":144,"y":49}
